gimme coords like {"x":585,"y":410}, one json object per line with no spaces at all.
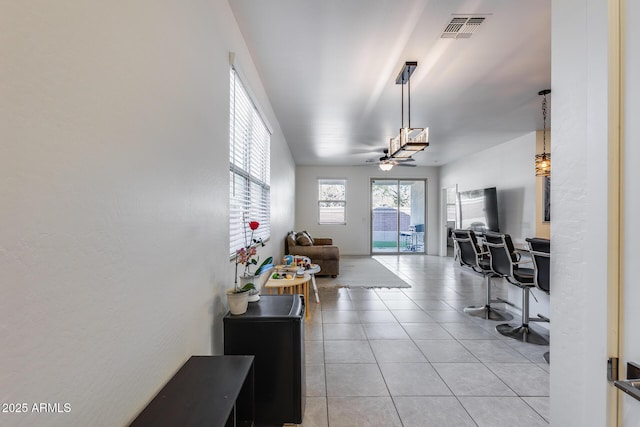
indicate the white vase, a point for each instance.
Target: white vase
{"x":247,"y":278}
{"x":238,"y":301}
{"x":254,"y":294}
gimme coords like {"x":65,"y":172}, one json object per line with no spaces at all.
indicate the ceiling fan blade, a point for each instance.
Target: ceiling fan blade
{"x":406,"y":165}
{"x":385,"y":159}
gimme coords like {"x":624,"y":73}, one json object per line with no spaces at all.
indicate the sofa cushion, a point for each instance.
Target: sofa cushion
{"x":323,"y":241}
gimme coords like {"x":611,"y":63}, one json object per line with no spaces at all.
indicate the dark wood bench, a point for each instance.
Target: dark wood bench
{"x":206,"y":391}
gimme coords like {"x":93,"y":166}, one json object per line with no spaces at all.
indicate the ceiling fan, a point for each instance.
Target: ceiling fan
{"x":386,"y":163}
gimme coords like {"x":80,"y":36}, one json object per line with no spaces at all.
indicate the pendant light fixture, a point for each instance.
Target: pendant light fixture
{"x":410,"y":140}
{"x":543,"y":161}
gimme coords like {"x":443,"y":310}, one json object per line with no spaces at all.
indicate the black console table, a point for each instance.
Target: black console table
{"x":272,"y":329}
{"x":206,"y":391}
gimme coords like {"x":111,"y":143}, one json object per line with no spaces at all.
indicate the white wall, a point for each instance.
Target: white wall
{"x":114,"y":199}
{"x":354,"y":237}
{"x":510,"y":168}
{"x":512,"y":172}
{"x":579,"y":215}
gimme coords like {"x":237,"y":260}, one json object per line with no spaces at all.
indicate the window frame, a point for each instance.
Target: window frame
{"x":249,"y":167}
{"x":339,"y":181}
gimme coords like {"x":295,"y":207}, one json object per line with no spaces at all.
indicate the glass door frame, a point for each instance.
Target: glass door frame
{"x":398,"y":181}
{"x":444,"y":207}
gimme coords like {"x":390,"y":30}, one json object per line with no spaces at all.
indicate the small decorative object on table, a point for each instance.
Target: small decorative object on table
{"x":302,"y":265}
{"x":282,"y":274}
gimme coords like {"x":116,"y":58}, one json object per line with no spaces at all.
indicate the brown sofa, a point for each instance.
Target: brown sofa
{"x":320,"y":250}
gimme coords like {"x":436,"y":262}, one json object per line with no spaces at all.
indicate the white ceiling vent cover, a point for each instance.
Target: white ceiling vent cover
{"x":462,"y":27}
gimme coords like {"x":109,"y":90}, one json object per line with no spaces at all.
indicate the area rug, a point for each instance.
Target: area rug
{"x":361,"y":272}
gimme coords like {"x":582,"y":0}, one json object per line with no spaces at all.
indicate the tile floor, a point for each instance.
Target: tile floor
{"x":411,"y":357}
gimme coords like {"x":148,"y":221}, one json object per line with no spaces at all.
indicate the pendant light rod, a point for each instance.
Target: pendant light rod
{"x":402,"y":107}
{"x":544,"y":94}
{"x":409,"y":102}
{"x":403,"y":78}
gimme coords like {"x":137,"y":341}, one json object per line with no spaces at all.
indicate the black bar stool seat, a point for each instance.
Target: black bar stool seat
{"x":471,"y":255}
{"x":505,"y":263}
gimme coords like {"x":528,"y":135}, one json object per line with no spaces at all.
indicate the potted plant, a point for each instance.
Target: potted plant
{"x":238,"y":299}
{"x":238,"y":296}
{"x":257,"y":280}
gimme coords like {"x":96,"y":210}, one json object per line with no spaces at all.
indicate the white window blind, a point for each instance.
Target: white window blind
{"x":332,"y":201}
{"x":249,"y":174}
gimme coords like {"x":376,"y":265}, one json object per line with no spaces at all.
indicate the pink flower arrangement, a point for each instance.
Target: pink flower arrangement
{"x":247,"y":254}
{"x":244,"y":256}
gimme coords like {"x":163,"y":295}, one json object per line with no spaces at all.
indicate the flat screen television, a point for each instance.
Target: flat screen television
{"x":479,"y":210}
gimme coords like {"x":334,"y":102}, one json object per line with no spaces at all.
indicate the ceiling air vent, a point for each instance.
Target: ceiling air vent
{"x":462,"y":27}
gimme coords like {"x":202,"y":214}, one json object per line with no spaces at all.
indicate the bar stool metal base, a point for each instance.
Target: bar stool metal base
{"x":488,"y":313}
{"x":522,"y":333}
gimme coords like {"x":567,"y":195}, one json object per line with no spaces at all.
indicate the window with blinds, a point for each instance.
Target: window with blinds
{"x":332,"y":201}
{"x":249,"y":174}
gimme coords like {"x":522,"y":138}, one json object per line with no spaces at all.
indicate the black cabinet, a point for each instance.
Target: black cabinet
{"x":206,"y":391}
{"x":272,"y":330}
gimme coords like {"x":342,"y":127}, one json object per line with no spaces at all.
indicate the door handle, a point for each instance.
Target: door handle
{"x":631,"y":385}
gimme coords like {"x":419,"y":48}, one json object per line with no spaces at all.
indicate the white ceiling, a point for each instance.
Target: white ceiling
{"x":329,"y":68}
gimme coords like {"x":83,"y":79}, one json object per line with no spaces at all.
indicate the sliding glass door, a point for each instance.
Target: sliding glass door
{"x":398,"y":209}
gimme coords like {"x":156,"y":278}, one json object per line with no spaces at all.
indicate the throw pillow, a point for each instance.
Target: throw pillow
{"x":291,"y":239}
{"x":303,"y":240}
{"x":305,"y":232}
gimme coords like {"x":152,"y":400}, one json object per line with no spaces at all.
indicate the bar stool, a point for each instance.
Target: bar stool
{"x":540,"y":253}
{"x":470,"y":255}
{"x":506,"y":263}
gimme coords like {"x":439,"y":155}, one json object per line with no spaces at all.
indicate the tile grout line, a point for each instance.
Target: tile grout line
{"x":528,"y":357}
